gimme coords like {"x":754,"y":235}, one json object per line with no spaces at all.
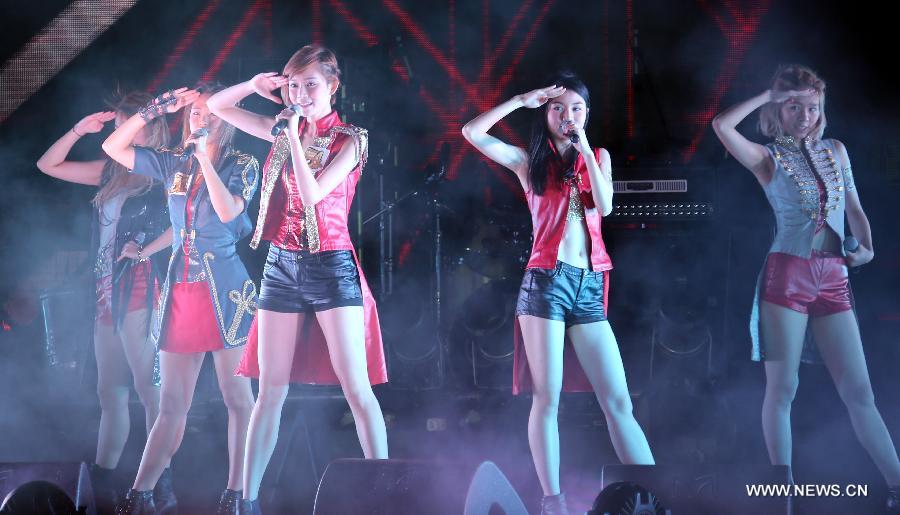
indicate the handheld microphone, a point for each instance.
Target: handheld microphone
{"x":282,"y":124}
{"x":851,"y":244}
{"x":188,"y":151}
{"x":573,"y":136}
{"x":139,"y":239}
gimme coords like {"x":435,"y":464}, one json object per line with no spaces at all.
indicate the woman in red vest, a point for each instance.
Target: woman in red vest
{"x":316,"y":320}
{"x":563,"y":340}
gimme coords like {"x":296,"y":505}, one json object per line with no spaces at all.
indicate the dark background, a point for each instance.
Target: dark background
{"x":414,"y":72}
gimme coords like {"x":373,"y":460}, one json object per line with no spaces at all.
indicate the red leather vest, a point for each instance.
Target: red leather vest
{"x":548,"y":216}
{"x":283,"y":219}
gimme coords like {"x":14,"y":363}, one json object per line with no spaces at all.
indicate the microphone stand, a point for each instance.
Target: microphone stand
{"x":385,"y":217}
{"x":386,"y":267}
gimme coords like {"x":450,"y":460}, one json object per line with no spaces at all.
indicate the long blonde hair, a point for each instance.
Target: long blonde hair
{"x":791,"y":77}
{"x":116,"y":178}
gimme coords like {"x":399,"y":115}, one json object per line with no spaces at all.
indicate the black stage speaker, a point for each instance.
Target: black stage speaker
{"x":706,"y":489}
{"x":68,"y":335}
{"x":72,"y":478}
{"x":399,"y":487}
{"x":412,"y":340}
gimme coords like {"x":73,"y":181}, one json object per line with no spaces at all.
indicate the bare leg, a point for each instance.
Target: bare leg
{"x":841,"y":346}
{"x":783,"y":331}
{"x":113,"y":380}
{"x":544,"y":348}
{"x":141,"y":352}
{"x":238,"y":399}
{"x":179,"y":378}
{"x":598,"y":352}
{"x":277,"y":342}
{"x":344,"y":331}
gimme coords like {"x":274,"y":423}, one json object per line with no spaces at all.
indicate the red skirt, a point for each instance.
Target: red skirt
{"x":191,"y":325}
{"x":138,"y":299}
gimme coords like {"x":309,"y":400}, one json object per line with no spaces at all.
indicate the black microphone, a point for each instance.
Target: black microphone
{"x":139,"y":239}
{"x":282,"y":124}
{"x":188,"y":151}
{"x":573,"y":136}
{"x":851,"y":244}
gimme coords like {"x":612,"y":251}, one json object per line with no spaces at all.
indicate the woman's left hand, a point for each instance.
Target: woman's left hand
{"x":292,"y":117}
{"x":582,"y":145}
{"x":199,"y":144}
{"x":129,"y":251}
{"x":860,"y":257}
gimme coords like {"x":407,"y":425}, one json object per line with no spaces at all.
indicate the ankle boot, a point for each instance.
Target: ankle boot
{"x":105,"y":492}
{"x":892,"y":505}
{"x":554,"y":505}
{"x":229,"y":503}
{"x":248,"y":507}
{"x":164,"y":494}
{"x":137,"y":503}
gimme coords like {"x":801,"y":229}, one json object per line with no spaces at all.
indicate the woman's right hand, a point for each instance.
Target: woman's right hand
{"x":93,"y":122}
{"x":781,"y":96}
{"x":540,"y":96}
{"x":264,"y":83}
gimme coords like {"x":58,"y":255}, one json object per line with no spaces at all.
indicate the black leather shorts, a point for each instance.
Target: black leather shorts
{"x":303,"y":282}
{"x":566,"y":293}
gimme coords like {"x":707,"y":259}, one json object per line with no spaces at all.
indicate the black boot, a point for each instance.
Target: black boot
{"x":229,"y":503}
{"x":554,"y":505}
{"x":137,"y":503}
{"x":105,"y":492}
{"x":248,"y":507}
{"x":166,"y":503}
{"x":893,"y":499}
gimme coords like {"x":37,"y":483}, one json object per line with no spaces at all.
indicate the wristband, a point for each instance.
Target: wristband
{"x":158,"y":106}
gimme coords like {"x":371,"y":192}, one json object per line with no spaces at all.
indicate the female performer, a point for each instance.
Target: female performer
{"x":129,"y":212}
{"x":317,"y":321}
{"x":804,"y":283}
{"x":568,"y":186}
{"x":208,"y":300}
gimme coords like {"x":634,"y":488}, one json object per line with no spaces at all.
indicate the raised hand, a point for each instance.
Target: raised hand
{"x":93,"y":122}
{"x":183,"y":97}
{"x":265,"y":83}
{"x":782,"y":96}
{"x":169,"y":102}
{"x":540,"y":96}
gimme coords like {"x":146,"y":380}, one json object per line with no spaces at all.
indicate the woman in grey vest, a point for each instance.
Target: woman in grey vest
{"x":129,"y":215}
{"x":809,"y":184}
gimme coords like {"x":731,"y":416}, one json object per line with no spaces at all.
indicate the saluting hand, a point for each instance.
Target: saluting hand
{"x":264,"y":83}
{"x":93,"y":122}
{"x":540,"y":96}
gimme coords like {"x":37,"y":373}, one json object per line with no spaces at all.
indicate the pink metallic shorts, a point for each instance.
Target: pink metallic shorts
{"x":817,"y":286}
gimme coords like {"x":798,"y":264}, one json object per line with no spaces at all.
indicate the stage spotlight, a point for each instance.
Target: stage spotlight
{"x":38,"y":498}
{"x":626,"y":498}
